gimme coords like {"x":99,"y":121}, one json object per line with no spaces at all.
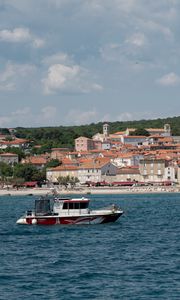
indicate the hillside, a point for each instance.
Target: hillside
{"x":63,"y":136}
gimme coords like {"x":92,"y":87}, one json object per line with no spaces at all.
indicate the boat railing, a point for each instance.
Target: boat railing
{"x":112,"y":208}
{"x":115,"y":207}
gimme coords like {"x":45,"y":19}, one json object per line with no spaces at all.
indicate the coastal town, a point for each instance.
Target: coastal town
{"x":119,"y":161}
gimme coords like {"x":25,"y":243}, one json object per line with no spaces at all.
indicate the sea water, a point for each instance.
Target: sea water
{"x":137,"y":257}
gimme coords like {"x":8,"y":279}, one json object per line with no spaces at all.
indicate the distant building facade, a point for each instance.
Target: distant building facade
{"x":152,"y":169}
{"x":9,"y":158}
{"x":83,"y":144}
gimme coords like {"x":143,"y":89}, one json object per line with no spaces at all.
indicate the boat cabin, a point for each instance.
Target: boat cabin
{"x":71,"y":206}
{"x":44,"y":206}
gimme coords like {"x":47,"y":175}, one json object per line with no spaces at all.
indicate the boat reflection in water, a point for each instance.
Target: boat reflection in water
{"x":68,"y":211}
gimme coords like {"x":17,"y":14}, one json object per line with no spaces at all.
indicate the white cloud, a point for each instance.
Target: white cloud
{"x":131,"y":116}
{"x":23,"y":112}
{"x":14,"y":74}
{"x":38,"y":43}
{"x":111,"y":52}
{"x":20,"y":35}
{"x":67,"y":77}
{"x":7,"y":87}
{"x":57,"y":58}
{"x":99,"y":6}
{"x":19,"y":117}
{"x":6,"y":82}
{"x":126,"y":5}
{"x":5,"y":121}
{"x":157,"y":27}
{"x":16,"y":35}
{"x":48,"y":112}
{"x":126,"y":116}
{"x":78,"y":117}
{"x":170,"y":79}
{"x":128,"y":53}
{"x":58,"y":76}
{"x":137,"y":39}
{"x":26,"y":117}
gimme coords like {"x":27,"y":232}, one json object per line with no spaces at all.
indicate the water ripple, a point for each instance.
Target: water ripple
{"x":135,"y":258}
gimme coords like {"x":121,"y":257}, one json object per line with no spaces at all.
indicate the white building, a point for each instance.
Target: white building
{"x":127,"y":159}
{"x":95,"y":170}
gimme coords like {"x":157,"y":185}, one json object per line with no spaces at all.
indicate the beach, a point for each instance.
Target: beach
{"x":90,"y":190}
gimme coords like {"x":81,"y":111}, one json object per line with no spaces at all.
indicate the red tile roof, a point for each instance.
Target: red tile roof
{"x":9,"y":154}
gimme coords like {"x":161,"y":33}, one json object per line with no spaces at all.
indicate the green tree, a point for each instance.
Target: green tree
{"x":63,"y":181}
{"x":6,"y":170}
{"x":29,"y":173}
{"x":63,"y":136}
{"x":53,"y":163}
{"x":73,"y":181}
{"x":4,"y":131}
{"x":140,"y":131}
{"x":26,"y":171}
{"x":39,"y":175}
{"x":17,"y":151}
{"x":66,"y":180}
{"x":17,"y":181}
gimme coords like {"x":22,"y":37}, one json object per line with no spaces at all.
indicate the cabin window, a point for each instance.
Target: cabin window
{"x":65,"y":205}
{"x":84,"y":205}
{"x":71,"y":205}
{"x":42,"y":207}
{"x":76,"y":205}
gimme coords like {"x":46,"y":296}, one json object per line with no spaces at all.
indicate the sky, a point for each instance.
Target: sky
{"x":74,"y":62}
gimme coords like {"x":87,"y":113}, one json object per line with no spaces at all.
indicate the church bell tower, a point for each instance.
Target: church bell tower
{"x":105,"y":130}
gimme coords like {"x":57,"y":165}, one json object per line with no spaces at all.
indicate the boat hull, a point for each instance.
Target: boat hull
{"x":69,"y":220}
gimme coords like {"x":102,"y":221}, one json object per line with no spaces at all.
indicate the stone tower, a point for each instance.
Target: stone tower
{"x":167,"y":130}
{"x":105,"y":130}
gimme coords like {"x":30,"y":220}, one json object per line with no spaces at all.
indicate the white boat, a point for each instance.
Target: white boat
{"x":68,"y":211}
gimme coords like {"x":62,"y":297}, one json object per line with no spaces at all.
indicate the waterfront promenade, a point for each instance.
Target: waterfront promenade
{"x":90,"y":190}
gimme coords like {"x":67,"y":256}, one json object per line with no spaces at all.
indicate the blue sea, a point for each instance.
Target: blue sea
{"x":138,"y":257}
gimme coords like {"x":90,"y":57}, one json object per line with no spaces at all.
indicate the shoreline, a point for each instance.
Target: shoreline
{"x":88,"y":191}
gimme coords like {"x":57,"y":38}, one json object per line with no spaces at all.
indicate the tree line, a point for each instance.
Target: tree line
{"x":64,"y":136}
{"x":16,"y":174}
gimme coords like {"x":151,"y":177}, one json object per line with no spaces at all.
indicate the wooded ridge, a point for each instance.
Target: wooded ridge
{"x":63,"y":136}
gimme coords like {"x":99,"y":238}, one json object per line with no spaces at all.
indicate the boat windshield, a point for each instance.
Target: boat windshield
{"x":42,"y":207}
